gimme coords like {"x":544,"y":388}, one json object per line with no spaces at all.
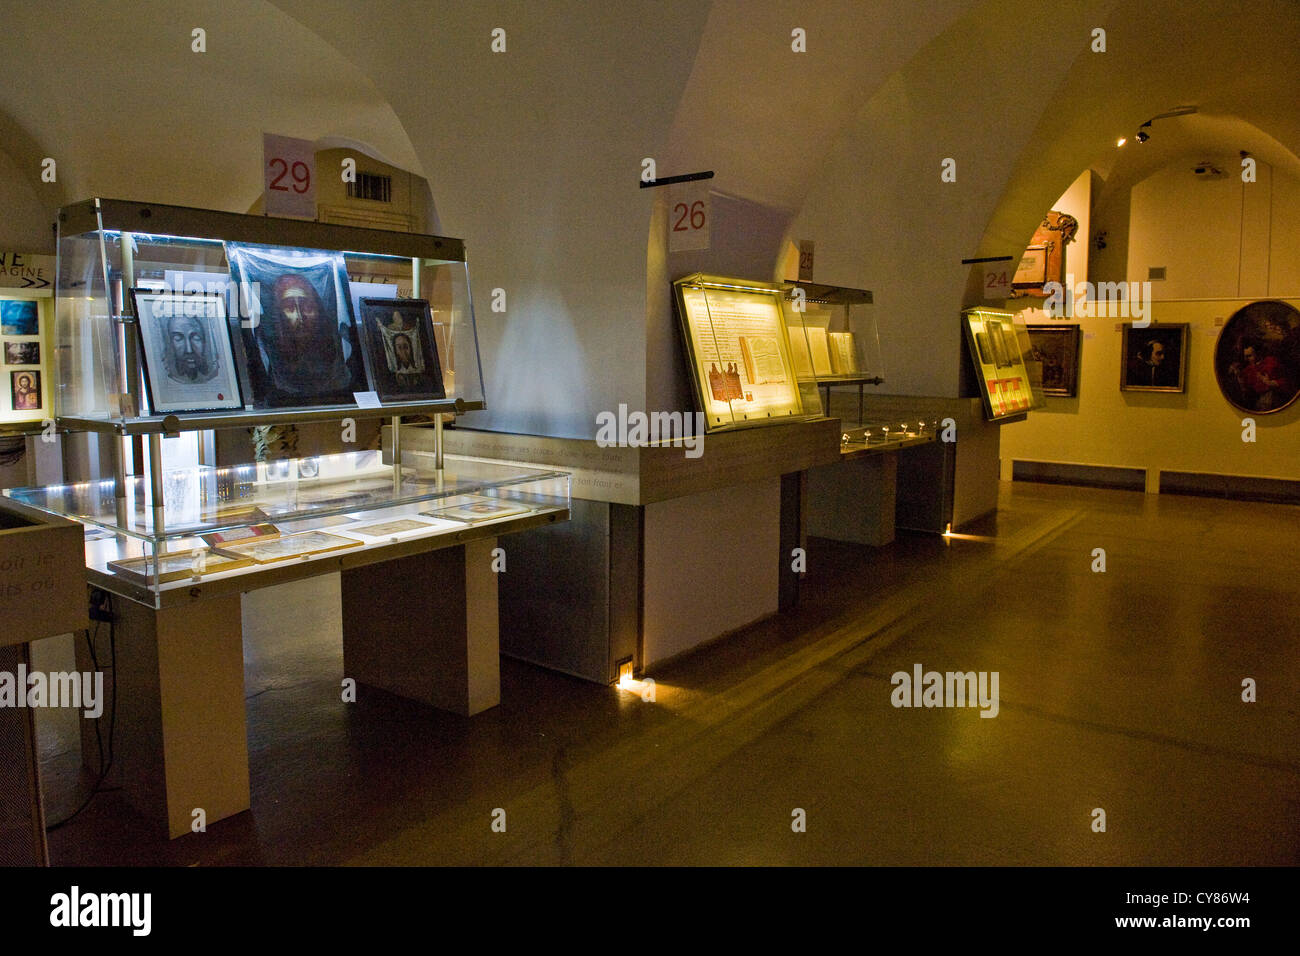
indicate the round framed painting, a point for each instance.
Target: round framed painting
{"x":1257,"y":357}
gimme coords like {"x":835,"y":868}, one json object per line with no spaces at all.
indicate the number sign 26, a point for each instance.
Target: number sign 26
{"x":688,"y":216}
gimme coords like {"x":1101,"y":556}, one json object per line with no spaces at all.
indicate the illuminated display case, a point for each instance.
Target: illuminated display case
{"x":998,"y":345}
{"x":108,"y":248}
{"x":286,"y":294}
{"x":833,"y":338}
{"x":739,"y":350}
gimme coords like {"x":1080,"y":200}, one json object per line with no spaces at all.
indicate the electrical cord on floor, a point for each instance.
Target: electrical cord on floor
{"x":104,"y":766}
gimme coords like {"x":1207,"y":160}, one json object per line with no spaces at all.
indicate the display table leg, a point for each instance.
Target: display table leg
{"x":180,"y":742}
{"x":425,"y":627}
{"x":854,"y":500}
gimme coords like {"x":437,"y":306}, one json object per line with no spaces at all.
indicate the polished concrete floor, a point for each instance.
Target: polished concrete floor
{"x":1119,"y":690}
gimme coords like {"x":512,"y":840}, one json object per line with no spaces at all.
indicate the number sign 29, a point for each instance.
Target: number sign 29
{"x":289,"y":176}
{"x":689,"y":213}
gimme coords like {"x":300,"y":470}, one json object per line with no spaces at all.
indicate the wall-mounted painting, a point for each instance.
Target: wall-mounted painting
{"x":1257,"y":357}
{"x":1154,"y":358}
{"x":1056,"y":349}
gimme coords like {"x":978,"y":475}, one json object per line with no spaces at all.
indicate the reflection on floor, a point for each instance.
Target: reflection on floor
{"x":1119,"y":690}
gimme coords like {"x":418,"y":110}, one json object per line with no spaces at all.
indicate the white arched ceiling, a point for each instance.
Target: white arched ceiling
{"x":878,"y":210}
{"x":534,"y":157}
{"x":115,"y":94}
{"x":1238,"y":63}
{"x":763,"y":116}
{"x":1014,"y":93}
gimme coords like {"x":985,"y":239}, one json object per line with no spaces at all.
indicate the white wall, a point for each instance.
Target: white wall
{"x":1216,"y":237}
{"x":1194,"y":431}
{"x":879,"y":213}
{"x":25,"y":222}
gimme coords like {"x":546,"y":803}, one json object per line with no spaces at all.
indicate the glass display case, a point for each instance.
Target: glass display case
{"x":290,"y":293}
{"x":887,"y":433}
{"x":217,"y":523}
{"x":833,"y":338}
{"x":998,"y":344}
{"x":171,"y":320}
{"x":739,"y":350}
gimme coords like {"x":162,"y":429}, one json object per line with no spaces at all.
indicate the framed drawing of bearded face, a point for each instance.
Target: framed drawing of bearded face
{"x":299,"y":341}
{"x":187,"y":358}
{"x":400,"y":350}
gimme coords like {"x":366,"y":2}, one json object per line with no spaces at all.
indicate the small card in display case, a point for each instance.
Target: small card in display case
{"x":389,"y":529}
{"x":290,"y":546}
{"x":177,"y":566}
{"x":261,"y":532}
{"x":475,"y":509}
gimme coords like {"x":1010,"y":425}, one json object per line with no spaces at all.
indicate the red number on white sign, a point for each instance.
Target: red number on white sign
{"x":298,"y":172}
{"x":693,"y":214}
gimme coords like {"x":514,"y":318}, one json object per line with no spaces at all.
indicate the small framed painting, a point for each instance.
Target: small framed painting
{"x":1154,"y":358}
{"x":399,"y":349}
{"x":188,"y":362}
{"x":1056,"y":349}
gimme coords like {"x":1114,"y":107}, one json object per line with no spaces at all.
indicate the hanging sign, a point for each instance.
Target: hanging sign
{"x":689,"y":214}
{"x":289,"y":176}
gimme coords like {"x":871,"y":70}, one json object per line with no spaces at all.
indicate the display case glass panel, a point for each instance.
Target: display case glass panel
{"x":833,"y":334}
{"x":738,"y":349}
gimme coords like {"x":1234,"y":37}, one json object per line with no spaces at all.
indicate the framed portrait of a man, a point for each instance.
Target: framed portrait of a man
{"x":188,"y":361}
{"x":300,"y":344}
{"x":1257,"y":357}
{"x":400,"y":352}
{"x":1154,"y":358}
{"x":25,"y":391}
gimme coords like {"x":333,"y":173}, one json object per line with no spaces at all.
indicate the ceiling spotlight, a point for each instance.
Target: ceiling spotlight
{"x":1143,"y":136}
{"x":1122,"y":141}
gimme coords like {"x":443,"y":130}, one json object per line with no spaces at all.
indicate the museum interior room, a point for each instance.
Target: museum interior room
{"x":650,"y":432}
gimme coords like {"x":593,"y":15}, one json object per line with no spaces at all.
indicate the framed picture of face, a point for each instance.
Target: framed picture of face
{"x":400,"y":351}
{"x":25,"y":390}
{"x":299,"y":342}
{"x":188,"y":362}
{"x":1257,"y":357}
{"x":1056,"y":349}
{"x":22,"y":353}
{"x":1154,"y":359}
